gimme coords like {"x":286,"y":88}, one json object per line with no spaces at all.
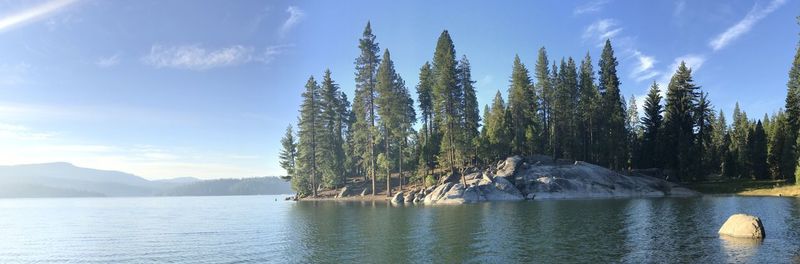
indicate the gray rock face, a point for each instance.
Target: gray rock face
{"x":743,"y":226}
{"x":509,"y":167}
{"x":365,"y":191}
{"x":552,"y":180}
{"x":398,"y":198}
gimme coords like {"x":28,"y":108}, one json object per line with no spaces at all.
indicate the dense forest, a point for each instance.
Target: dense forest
{"x":564,"y":108}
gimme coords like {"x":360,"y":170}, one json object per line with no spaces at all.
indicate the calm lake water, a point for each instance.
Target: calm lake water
{"x":258,"y":229}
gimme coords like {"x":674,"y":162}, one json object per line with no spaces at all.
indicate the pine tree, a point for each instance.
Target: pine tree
{"x":521,"y":102}
{"x":564,"y":110}
{"x":497,"y":129}
{"x":613,"y":126}
{"x":429,"y":146}
{"x":779,"y":152}
{"x":391,"y":109}
{"x":447,"y":98}
{"x":738,"y":146}
{"x":719,"y":140}
{"x":650,"y":153}
{"x":545,"y":90}
{"x":634,"y":132}
{"x":758,"y":152}
{"x":470,"y":109}
{"x":364,"y":102}
{"x":306,"y":178}
{"x":793,"y":103}
{"x":288,"y":152}
{"x":679,"y":122}
{"x":331,"y":139}
{"x":588,"y":103}
{"x":704,"y":120}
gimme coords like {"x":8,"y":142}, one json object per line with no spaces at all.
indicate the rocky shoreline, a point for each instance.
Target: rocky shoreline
{"x":539,"y":177}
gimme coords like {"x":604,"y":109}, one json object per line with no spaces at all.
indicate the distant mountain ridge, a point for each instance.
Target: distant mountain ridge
{"x":61,"y":179}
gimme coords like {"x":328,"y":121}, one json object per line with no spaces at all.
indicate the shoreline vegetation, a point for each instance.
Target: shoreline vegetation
{"x":385,"y":141}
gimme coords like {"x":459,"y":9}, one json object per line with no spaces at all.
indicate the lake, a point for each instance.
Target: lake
{"x":258,"y":229}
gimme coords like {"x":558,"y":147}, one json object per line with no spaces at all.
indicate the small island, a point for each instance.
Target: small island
{"x":597,"y":145}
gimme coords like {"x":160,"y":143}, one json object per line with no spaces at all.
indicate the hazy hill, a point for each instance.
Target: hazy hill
{"x":66,"y":180}
{"x":247,"y":186}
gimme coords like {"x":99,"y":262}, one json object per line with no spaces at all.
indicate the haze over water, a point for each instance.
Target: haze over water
{"x":258,"y":229}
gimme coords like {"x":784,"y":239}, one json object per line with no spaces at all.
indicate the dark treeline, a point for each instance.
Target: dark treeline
{"x":564,"y":108}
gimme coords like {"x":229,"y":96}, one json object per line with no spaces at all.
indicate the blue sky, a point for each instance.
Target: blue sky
{"x":188,"y":88}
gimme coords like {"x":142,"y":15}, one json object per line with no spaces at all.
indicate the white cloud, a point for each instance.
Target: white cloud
{"x":645,"y":66}
{"x":21,"y":133}
{"x":601,"y":30}
{"x":744,"y":25}
{"x":271,"y":52}
{"x":106,"y":62}
{"x":195,"y":57}
{"x":590,"y":7}
{"x":295,"y":16}
{"x":30,"y":14}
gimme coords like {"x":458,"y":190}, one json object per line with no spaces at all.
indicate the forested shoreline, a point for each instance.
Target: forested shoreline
{"x":562,"y":108}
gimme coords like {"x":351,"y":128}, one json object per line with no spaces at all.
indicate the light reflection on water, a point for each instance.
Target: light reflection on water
{"x":259,"y":229}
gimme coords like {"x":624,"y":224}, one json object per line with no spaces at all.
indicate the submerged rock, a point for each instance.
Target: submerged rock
{"x":743,"y":226}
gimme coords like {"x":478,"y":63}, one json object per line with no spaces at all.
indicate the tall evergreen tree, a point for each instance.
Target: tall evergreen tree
{"x":429,"y":147}
{"x":679,"y":122}
{"x":392,"y":109}
{"x":544,"y":90}
{"x":288,"y":153}
{"x":521,"y":102}
{"x":793,"y":104}
{"x":447,"y":99}
{"x":364,"y":102}
{"x":306,"y":179}
{"x":613,"y":126}
{"x":497,"y":130}
{"x":704,"y":120}
{"x":634,"y":132}
{"x":564,"y":110}
{"x":470,"y":109}
{"x":650,"y":153}
{"x":738,"y":146}
{"x":720,"y":140}
{"x":758,"y":152}
{"x":779,"y":153}
{"x":588,"y":104}
{"x":331,"y":141}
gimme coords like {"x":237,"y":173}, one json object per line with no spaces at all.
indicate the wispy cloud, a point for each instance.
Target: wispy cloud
{"x":295,"y":16}
{"x":195,"y":57}
{"x":198,"y":58}
{"x":21,"y":133}
{"x":106,"y":62}
{"x":601,"y":30}
{"x":644,"y":68}
{"x":590,"y":7}
{"x":33,"y":13}
{"x":272,"y":52}
{"x":680,"y":6}
{"x":744,"y":25}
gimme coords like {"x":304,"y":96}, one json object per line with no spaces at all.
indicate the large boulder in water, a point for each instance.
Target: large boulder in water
{"x":743,"y":226}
